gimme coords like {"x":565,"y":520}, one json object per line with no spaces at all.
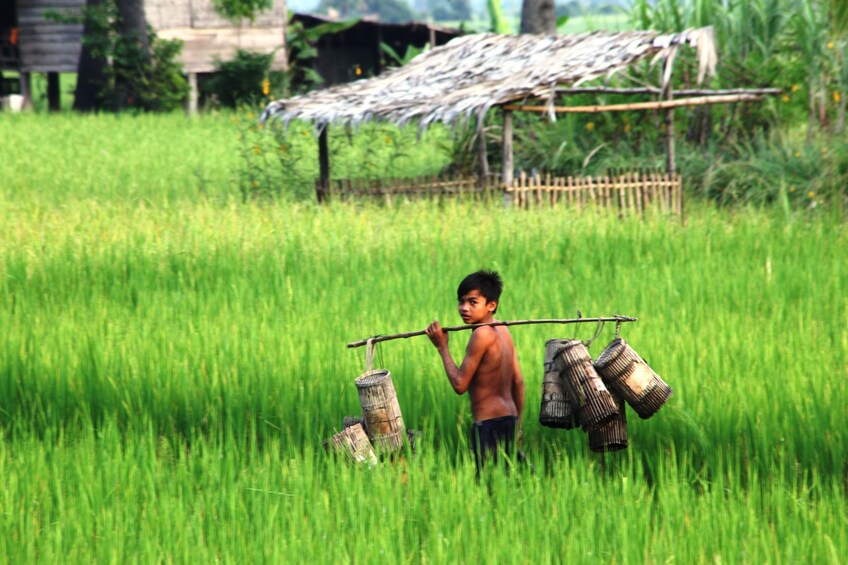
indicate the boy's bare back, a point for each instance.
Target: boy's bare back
{"x":491,"y":386}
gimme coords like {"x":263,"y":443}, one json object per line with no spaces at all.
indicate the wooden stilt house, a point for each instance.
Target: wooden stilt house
{"x":32,"y":42}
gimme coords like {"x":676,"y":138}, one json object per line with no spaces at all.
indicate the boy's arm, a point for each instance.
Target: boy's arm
{"x":460,"y":377}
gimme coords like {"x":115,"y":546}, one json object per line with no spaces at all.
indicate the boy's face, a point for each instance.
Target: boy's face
{"x":474,"y":308}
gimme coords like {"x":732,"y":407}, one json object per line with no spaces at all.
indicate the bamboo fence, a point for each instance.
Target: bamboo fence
{"x":628,"y":191}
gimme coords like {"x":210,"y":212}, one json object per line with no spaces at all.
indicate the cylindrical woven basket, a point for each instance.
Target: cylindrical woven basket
{"x":612,"y":435}
{"x":354,"y":444}
{"x":593,"y":402}
{"x":627,"y":373}
{"x":557,"y":409}
{"x":380,"y":410}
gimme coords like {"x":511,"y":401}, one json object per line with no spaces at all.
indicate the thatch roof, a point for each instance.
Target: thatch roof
{"x":473,"y":73}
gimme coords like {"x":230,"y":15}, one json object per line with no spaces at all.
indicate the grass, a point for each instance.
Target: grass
{"x":171,"y":359}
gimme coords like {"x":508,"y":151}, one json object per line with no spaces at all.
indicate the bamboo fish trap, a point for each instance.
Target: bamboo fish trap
{"x":557,"y":409}
{"x":354,"y":444}
{"x":593,"y":402}
{"x":627,"y":373}
{"x":612,"y":435}
{"x":380,"y":410}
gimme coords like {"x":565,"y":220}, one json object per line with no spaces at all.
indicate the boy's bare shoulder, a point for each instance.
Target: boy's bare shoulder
{"x":484,"y":334}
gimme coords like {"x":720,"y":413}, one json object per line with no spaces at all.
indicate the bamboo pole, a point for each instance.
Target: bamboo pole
{"x":660,"y":105}
{"x":379,"y":338}
{"x":682,"y":92}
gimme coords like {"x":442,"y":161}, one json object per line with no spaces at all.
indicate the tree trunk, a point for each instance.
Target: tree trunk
{"x":537,"y":16}
{"x":91,"y":69}
{"x":132,"y":28}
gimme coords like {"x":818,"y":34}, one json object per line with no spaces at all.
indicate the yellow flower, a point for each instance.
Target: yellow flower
{"x":250,"y":115}
{"x":305,"y":133}
{"x":266,"y":87}
{"x":795,"y":88}
{"x":837,"y":97}
{"x":590,"y":126}
{"x":358,"y":71}
{"x":388,"y":139}
{"x":234,"y":120}
{"x":785,"y":98}
{"x":831,"y":44}
{"x":255,"y":183}
{"x":811,"y":194}
{"x":791,"y":189}
{"x":797,"y":154}
{"x":256,"y":150}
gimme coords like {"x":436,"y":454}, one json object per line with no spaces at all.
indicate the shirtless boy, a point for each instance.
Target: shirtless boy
{"x":489,"y":371}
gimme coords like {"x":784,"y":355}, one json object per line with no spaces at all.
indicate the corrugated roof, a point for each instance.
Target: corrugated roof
{"x":473,"y":73}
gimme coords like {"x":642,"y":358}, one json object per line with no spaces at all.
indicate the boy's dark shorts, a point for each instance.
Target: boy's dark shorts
{"x":490,"y":436}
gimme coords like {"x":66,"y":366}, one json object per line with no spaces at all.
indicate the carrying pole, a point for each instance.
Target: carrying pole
{"x":379,"y":338}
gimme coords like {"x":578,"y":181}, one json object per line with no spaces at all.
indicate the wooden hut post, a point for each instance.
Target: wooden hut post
{"x":482,"y":156}
{"x":26,"y":89}
{"x":667,"y":94}
{"x":506,"y":172}
{"x":191,"y":103}
{"x":54,"y":94}
{"x":323,"y":165}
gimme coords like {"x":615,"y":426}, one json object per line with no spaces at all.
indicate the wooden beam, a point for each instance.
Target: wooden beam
{"x":26,"y":89}
{"x":323,"y":166}
{"x":661,"y":105}
{"x":482,"y":155}
{"x":54,"y":92}
{"x":682,"y":92}
{"x":506,"y":171}
{"x":193,"y":95}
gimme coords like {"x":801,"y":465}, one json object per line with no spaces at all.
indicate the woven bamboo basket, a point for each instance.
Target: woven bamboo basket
{"x":557,"y":409}
{"x":627,"y":373}
{"x":354,"y":444}
{"x":593,"y":402}
{"x":612,"y":435}
{"x":380,"y":410}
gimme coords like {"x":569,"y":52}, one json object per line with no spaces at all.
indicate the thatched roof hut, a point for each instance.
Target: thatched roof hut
{"x":474,"y":73}
{"x":469,"y":75}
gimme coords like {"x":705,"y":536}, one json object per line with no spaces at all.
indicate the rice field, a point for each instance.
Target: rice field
{"x":171,"y":358}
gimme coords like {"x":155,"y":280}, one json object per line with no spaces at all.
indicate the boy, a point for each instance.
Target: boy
{"x":489,"y":371}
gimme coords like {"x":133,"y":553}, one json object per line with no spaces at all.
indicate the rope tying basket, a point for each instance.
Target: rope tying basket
{"x":380,"y":410}
{"x":592,"y":400}
{"x":557,"y":408}
{"x":628,"y":374}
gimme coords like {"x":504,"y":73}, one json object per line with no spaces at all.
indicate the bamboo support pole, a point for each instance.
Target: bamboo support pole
{"x":379,"y":338}
{"x":660,"y":105}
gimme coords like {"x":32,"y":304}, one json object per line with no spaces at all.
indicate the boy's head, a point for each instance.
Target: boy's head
{"x":487,"y":283}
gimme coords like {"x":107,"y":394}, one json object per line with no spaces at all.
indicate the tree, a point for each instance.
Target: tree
{"x":132,"y":49}
{"x":537,"y":16}
{"x":92,"y":69}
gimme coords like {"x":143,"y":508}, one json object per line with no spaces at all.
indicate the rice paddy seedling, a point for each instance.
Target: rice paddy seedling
{"x":169,"y":365}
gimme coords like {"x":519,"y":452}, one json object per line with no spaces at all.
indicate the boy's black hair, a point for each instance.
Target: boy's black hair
{"x":487,"y":283}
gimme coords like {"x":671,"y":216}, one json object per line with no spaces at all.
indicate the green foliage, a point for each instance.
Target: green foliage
{"x":396,"y":60}
{"x":499,"y":23}
{"x":243,"y":79}
{"x":237,"y":9}
{"x":300,"y":43}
